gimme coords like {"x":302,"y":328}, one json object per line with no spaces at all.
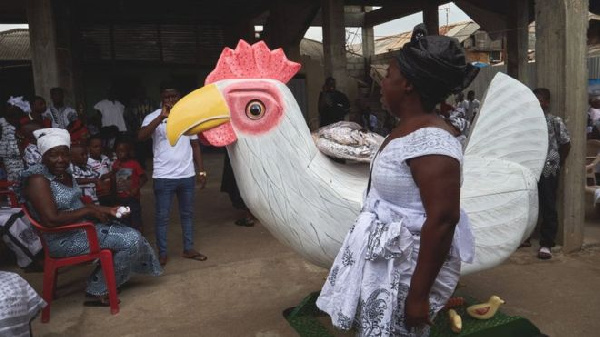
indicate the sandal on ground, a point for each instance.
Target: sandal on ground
{"x":245,"y":222}
{"x":545,"y":253}
{"x":194,"y":255}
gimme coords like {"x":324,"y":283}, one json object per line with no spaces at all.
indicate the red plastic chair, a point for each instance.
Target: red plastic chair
{"x":6,"y":189}
{"x":51,"y":264}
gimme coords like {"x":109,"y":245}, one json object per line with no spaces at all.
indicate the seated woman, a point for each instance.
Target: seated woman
{"x":53,"y":196}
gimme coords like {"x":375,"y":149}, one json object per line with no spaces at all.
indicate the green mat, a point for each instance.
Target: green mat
{"x":303,"y":319}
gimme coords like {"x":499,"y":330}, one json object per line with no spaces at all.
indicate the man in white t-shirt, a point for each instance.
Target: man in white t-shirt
{"x":173,"y":173}
{"x":112,"y":111}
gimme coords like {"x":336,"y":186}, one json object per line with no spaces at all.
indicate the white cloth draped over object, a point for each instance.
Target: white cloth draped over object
{"x":347,"y":140}
{"x":19,"y":304}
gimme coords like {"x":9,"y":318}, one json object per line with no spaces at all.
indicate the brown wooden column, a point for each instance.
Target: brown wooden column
{"x":431,"y":18}
{"x":561,"y":62}
{"x":42,"y":37}
{"x":287,"y":24}
{"x":518,"y":39}
{"x":68,"y":51}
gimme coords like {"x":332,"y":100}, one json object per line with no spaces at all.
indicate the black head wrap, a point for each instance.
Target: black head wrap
{"x":435,"y":65}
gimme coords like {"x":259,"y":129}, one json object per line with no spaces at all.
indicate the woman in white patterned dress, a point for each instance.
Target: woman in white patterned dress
{"x":400,"y":262}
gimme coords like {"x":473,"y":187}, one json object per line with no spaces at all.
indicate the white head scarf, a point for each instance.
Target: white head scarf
{"x":20,"y":103}
{"x":51,"y":137}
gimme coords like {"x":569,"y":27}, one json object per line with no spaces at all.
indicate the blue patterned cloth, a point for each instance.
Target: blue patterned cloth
{"x":131,"y":252}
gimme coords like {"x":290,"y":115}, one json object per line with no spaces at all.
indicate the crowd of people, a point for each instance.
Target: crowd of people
{"x":66,"y":168}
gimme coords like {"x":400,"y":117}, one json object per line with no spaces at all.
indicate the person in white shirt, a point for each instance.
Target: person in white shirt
{"x":62,"y":115}
{"x":112,"y":111}
{"x":173,"y":173}
{"x":473,"y":106}
{"x":594,"y":111}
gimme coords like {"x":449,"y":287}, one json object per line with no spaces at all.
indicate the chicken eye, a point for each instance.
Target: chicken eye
{"x":255,"y":109}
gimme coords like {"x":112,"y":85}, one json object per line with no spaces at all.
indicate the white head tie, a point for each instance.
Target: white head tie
{"x":51,"y":137}
{"x":20,"y":103}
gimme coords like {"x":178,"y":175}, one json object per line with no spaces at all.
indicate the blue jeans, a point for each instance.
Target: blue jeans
{"x":164,"y":189}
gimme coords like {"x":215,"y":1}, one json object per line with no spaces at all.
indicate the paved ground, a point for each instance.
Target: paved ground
{"x":250,"y":278}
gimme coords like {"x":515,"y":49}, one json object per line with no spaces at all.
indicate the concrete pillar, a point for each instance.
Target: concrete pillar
{"x":518,"y":39}
{"x":42,"y":37}
{"x":561,"y":62}
{"x":431,"y":18}
{"x":368,"y":42}
{"x":334,"y":42}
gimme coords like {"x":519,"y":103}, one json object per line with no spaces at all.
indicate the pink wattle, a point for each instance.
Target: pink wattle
{"x":220,"y":136}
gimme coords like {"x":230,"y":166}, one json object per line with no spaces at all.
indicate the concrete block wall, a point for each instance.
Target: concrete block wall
{"x":355,"y":66}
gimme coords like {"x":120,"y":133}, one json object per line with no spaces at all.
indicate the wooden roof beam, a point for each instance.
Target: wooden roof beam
{"x":492,"y":22}
{"x":395,"y":10}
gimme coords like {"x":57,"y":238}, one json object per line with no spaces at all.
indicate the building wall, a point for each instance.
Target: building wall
{"x":478,"y":56}
{"x":99,"y":78}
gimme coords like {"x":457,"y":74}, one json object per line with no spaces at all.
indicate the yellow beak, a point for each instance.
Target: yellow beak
{"x":200,"y":110}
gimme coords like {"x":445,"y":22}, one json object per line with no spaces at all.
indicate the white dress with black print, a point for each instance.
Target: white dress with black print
{"x":369,"y":280}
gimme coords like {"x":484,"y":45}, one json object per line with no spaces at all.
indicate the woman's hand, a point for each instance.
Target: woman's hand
{"x":102,"y":213}
{"x":417,"y":311}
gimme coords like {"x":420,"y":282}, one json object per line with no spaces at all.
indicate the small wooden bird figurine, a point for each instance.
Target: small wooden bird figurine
{"x":485,"y":310}
{"x":455,"y":321}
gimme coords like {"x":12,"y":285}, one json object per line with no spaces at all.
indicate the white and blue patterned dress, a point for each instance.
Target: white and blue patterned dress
{"x":131,"y":252}
{"x":370,"y":277}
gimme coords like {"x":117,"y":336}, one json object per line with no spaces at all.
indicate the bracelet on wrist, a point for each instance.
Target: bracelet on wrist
{"x":201,"y":173}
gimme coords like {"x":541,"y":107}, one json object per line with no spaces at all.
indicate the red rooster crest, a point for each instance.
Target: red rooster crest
{"x":253,"y":62}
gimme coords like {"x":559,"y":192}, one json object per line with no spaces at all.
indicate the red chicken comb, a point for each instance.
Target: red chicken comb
{"x":252,"y":62}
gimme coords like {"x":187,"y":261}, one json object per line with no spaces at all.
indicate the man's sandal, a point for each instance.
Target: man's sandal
{"x":194,"y":255}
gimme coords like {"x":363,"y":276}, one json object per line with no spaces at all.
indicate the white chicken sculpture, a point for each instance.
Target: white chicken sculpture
{"x":310,"y":202}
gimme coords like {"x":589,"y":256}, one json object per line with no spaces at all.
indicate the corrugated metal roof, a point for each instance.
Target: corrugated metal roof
{"x":462,"y":30}
{"x":314,"y":49}
{"x":459,"y":30}
{"x":14,"y":45}
{"x":311,"y":48}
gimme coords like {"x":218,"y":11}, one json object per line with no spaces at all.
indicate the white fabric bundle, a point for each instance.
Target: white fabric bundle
{"x":51,"y":137}
{"x":346,"y":140}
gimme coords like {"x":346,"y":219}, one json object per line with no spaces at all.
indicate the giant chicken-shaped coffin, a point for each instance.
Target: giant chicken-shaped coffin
{"x":309,"y":202}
